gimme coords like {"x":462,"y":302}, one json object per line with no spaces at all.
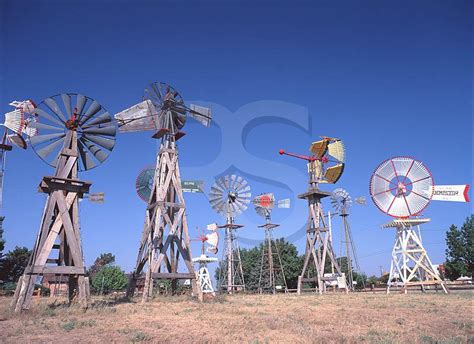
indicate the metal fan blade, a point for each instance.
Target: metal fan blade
{"x":216,"y":191}
{"x":107,"y":131}
{"x":96,"y":151}
{"x":101,"y":141}
{"x":220,"y":183}
{"x":40,"y":125}
{"x":43,"y":138}
{"x":87,"y":162}
{"x":244,"y":190}
{"x":232,"y":181}
{"x":67,"y":103}
{"x":226,"y":182}
{"x":51,"y":103}
{"x":101,"y":119}
{"x":47,"y":150}
{"x":80,"y":102}
{"x":17,"y":140}
{"x":46,"y":115}
{"x":157,"y":91}
{"x":93,"y":109}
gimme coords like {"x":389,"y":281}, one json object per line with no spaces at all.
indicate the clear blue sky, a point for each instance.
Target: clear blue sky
{"x":388,"y":78}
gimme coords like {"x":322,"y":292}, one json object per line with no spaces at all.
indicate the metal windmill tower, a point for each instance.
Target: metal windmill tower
{"x":229,"y":197}
{"x":165,"y":238}
{"x":212,"y":241}
{"x":70,"y":139}
{"x":341,"y":202}
{"x":14,"y":128}
{"x":326,"y":165}
{"x":402,"y":187}
{"x":272,"y":275}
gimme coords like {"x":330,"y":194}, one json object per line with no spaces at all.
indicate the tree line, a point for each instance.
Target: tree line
{"x":105,"y":276}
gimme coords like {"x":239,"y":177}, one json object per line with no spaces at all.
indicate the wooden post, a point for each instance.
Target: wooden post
{"x":60,"y":221}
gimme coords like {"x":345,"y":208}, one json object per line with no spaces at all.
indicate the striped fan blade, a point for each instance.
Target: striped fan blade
{"x":101,"y":119}
{"x":43,"y":114}
{"x":99,"y":154}
{"x":80,"y":102}
{"x":44,"y":138}
{"x":67,"y":103}
{"x":93,"y":109}
{"x":51,"y":103}
{"x":39,"y":125}
{"x":87,"y":161}
{"x":107,"y":131}
{"x":101,"y":141}
{"x":47,"y":150}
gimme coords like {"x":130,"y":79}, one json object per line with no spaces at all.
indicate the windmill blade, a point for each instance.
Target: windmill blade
{"x":15,"y":121}
{"x":51,"y":103}
{"x":39,"y":125}
{"x":67,"y":103}
{"x":93,"y":109}
{"x":243,"y":186}
{"x":333,"y":174}
{"x":98,"y":153}
{"x":101,"y":141}
{"x":101,"y":119}
{"x":139,"y":117}
{"x":87,"y":161}
{"x":201,"y":114}
{"x":47,"y":150}
{"x":107,"y":131}
{"x":233,"y":178}
{"x":44,"y":138}
{"x":319,"y":148}
{"x":80,"y":102}
{"x":336,"y":150}
{"x":226,"y":182}
{"x":43,"y":114}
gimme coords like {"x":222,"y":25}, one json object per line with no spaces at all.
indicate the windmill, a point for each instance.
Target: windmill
{"x":325,"y":165}
{"x":15,"y":127}
{"x":341,"y":202}
{"x":402,"y":187}
{"x":70,"y":138}
{"x":165,"y":238}
{"x":212,"y":241}
{"x":272,"y":275}
{"x":229,"y":197}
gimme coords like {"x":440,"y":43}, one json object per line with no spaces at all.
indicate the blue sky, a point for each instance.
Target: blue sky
{"x":387,"y":78}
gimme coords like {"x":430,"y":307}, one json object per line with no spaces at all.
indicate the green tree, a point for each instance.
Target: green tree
{"x":104,"y":259}
{"x":109,"y":278}
{"x":460,"y":251}
{"x":252,"y":261}
{"x":13,"y":264}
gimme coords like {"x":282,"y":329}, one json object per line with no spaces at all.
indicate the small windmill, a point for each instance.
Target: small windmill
{"x":70,"y":139}
{"x":165,"y":238}
{"x":229,"y":197}
{"x":325,"y":165}
{"x":15,"y":128}
{"x":341,"y":202}
{"x":212,"y":241}
{"x":402,"y":187}
{"x":272,"y":275}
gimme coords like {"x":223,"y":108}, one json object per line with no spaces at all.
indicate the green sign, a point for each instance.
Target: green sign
{"x":192,"y":185}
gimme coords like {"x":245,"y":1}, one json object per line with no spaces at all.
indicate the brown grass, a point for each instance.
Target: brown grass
{"x":336,"y":318}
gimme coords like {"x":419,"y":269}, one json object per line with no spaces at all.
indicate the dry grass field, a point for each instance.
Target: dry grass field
{"x":337,"y":318}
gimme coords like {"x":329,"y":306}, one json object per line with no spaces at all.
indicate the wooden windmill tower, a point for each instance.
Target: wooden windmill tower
{"x":324,"y":166}
{"x":272,"y":275}
{"x":70,"y":139}
{"x":165,"y":238}
{"x":229,"y":197}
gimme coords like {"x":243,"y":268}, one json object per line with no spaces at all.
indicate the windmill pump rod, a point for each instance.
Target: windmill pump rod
{"x":301,"y":156}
